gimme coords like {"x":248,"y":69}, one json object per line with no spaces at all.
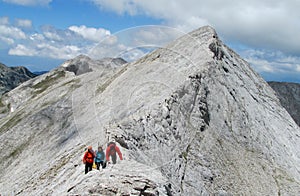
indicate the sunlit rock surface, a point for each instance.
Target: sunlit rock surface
{"x":192,"y":118}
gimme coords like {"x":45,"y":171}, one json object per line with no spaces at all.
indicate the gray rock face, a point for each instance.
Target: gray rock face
{"x":289,"y":96}
{"x":83,"y":64}
{"x":11,"y":77}
{"x":191,"y":119}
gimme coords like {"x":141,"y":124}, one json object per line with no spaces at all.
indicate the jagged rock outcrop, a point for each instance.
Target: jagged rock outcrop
{"x":11,"y":77}
{"x":191,"y":118}
{"x":289,"y":96}
{"x":84,"y":64}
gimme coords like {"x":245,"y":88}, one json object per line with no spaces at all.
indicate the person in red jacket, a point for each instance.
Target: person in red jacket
{"x":111,"y":150}
{"x":88,"y":159}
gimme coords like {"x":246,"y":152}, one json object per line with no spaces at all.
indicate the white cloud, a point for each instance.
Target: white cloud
{"x":153,"y":35}
{"x":265,"y":25}
{"x":21,"y":50}
{"x":4,"y":21}
{"x":10,"y":33}
{"x":52,"y":36}
{"x":47,"y":50}
{"x":92,"y":34}
{"x":7,"y":40}
{"x":132,"y":54}
{"x":119,"y":6}
{"x":132,"y":43}
{"x":58,"y":51}
{"x":298,"y":68}
{"x":52,"y":42}
{"x":266,"y":61}
{"x":37,"y":37}
{"x":29,"y":2}
{"x":23,"y":23}
{"x":258,"y":23}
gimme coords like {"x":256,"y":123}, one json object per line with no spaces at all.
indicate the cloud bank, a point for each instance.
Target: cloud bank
{"x":264,"y":32}
{"x":64,"y":44}
{"x":268,"y":29}
{"x":260,"y":23}
{"x":49,"y":41}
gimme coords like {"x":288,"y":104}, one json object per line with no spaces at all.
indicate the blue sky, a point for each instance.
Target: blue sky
{"x":41,"y":34}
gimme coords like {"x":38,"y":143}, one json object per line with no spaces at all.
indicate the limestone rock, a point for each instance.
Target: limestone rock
{"x":192,"y":118}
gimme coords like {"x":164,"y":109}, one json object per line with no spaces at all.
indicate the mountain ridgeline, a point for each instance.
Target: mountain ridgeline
{"x":192,"y":118}
{"x":289,"y":96}
{"x":11,"y":77}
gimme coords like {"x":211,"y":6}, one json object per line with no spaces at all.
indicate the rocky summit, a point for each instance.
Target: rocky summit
{"x":11,"y":77}
{"x":191,"y":118}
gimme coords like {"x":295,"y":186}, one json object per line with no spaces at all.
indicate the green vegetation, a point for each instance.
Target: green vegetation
{"x":1,"y":104}
{"x":102,"y":88}
{"x":74,"y":84}
{"x":48,"y":81}
{"x":71,"y":82}
{"x":18,"y":150}
{"x":11,"y":122}
{"x":3,"y":108}
{"x":184,"y":154}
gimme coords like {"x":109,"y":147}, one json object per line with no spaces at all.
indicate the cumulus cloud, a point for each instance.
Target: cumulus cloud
{"x":29,"y":2}
{"x":10,"y":33}
{"x":49,"y":41}
{"x":258,"y":23}
{"x":133,"y":43}
{"x":7,"y":40}
{"x":92,"y":34}
{"x":153,"y":35}
{"x":4,"y":20}
{"x":24,"y":23}
{"x":268,"y":28}
{"x":46,"y":50}
{"x":266,"y":61}
{"x":21,"y":50}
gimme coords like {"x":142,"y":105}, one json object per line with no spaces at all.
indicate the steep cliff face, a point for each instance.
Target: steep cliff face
{"x":289,"y":96}
{"x":192,"y":118}
{"x":11,"y":77}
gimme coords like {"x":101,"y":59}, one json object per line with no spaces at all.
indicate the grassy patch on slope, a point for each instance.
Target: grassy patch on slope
{"x":48,"y":81}
{"x":13,"y":121}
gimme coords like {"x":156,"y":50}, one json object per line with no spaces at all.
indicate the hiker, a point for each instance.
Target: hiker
{"x":111,"y":150}
{"x":100,"y":158}
{"x":88,"y":159}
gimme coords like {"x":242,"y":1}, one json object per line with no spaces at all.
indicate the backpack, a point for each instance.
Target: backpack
{"x":112,"y":147}
{"x":89,"y":157}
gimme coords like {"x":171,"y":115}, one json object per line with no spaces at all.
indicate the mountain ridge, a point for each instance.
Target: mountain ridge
{"x":192,"y":118}
{"x":11,"y":77}
{"x":289,"y":96}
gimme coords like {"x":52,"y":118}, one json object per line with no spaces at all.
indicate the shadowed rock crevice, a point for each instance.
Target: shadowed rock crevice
{"x":79,"y":65}
{"x":215,"y":47}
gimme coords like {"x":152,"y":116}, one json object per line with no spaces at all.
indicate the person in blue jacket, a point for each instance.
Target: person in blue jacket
{"x":100,"y":158}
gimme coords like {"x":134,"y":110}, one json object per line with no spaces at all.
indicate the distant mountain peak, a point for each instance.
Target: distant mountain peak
{"x":83,"y":64}
{"x":11,"y":77}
